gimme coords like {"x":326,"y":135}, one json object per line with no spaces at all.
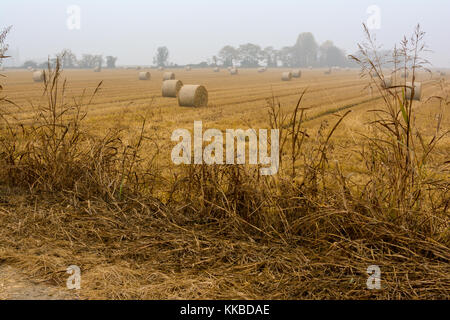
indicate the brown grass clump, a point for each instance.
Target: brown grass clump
{"x":143,"y":229}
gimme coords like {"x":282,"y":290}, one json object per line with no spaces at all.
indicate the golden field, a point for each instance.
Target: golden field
{"x":140,"y":229}
{"x":234,"y":101}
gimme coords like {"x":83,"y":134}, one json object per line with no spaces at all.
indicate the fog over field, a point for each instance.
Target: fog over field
{"x":196,"y":30}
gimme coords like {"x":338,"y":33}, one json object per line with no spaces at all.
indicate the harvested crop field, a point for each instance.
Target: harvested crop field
{"x":100,"y":191}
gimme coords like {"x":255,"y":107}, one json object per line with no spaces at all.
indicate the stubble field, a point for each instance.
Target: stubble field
{"x":203,"y":234}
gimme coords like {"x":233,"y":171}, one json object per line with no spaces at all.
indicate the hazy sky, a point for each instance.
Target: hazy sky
{"x":195,"y":30}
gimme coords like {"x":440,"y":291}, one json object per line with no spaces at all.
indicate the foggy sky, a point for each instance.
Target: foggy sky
{"x":195,"y":30}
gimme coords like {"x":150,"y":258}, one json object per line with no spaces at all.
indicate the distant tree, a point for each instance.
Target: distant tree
{"x":67,"y":59}
{"x":111,"y":62}
{"x":30,"y":64}
{"x":330,"y":55}
{"x":89,"y":61}
{"x":286,"y":56}
{"x":43,"y":65}
{"x":270,"y":55}
{"x":249,"y":55}
{"x":3,"y":45}
{"x":162,"y":56}
{"x":305,"y":51}
{"x":228,"y":55}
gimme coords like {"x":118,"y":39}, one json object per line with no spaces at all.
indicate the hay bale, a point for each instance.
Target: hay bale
{"x":328,"y":71}
{"x":310,"y":67}
{"x":168,"y":76}
{"x":286,"y":76}
{"x":38,"y":76}
{"x":161,"y":69}
{"x":216,"y":69}
{"x":229,"y":68}
{"x":417,"y":91}
{"x":97,"y":69}
{"x":144,"y":76}
{"x":297,"y":73}
{"x":188,"y":68}
{"x":262,"y":69}
{"x":138,"y":68}
{"x":193,"y":96}
{"x":234,"y":71}
{"x":171,"y":88}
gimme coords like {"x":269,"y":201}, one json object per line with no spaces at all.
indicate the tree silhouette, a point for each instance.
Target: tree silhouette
{"x":111,"y":62}
{"x":161,"y":57}
{"x":228,"y":54}
{"x":304,"y":52}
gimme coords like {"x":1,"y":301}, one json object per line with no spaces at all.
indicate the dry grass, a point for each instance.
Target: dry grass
{"x":355,"y":189}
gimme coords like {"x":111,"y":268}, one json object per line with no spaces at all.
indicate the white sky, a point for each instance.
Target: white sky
{"x":195,"y":30}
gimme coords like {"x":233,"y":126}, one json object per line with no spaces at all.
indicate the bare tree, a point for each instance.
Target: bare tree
{"x":162,"y":56}
{"x":3,"y":46}
{"x":111,"y":62}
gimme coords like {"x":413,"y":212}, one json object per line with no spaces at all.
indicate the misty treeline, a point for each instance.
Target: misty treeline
{"x":70,"y":61}
{"x":305,"y":52}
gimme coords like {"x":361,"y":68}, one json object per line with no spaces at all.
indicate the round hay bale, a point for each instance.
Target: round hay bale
{"x":161,"y":69}
{"x":310,"y":67}
{"x":417,"y":91}
{"x":144,"y":75}
{"x":297,"y":73}
{"x":188,"y":68}
{"x":171,"y":88}
{"x":262,"y":69}
{"x":216,"y":69}
{"x":286,"y":76}
{"x":229,"y":68}
{"x":193,"y":96}
{"x":168,"y":76}
{"x":234,"y":71}
{"x":97,"y":69}
{"x":38,"y":76}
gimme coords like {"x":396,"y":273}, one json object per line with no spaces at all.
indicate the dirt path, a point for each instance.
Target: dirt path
{"x":14,"y":285}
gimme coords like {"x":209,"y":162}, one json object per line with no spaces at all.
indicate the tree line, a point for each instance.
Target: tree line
{"x":306,"y":52}
{"x":70,"y":61}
